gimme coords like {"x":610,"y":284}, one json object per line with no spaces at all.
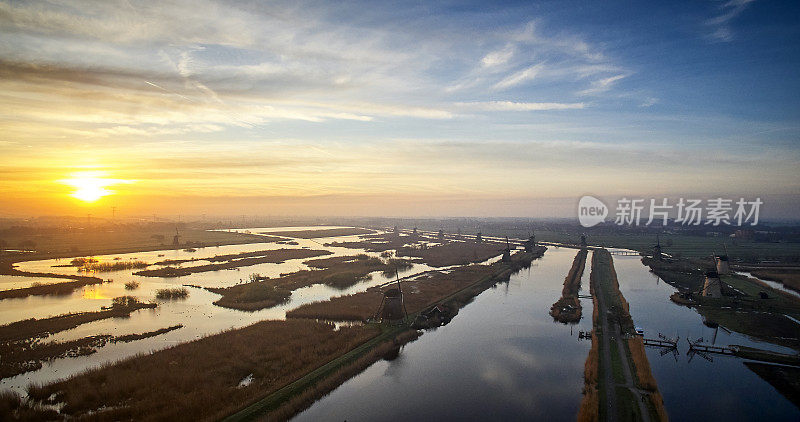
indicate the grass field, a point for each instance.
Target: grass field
{"x":53,"y":244}
{"x":312,"y":234}
{"x":681,"y":245}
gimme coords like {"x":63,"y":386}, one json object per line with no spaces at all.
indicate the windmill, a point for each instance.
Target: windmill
{"x":657,"y":248}
{"x":507,"y":252}
{"x":176,"y":240}
{"x":392,"y":308}
{"x":530,"y":243}
{"x":722,"y":262}
{"x":712,"y":286}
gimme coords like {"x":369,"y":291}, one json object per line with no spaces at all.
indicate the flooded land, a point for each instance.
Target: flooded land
{"x":300,"y":325}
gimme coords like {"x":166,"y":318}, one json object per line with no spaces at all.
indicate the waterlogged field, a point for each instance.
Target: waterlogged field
{"x":196,"y":312}
{"x":502,"y":356}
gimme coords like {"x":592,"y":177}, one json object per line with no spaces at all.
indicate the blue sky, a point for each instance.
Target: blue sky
{"x":378,"y":107}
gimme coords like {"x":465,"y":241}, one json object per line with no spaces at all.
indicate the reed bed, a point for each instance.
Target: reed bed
{"x":172,"y":293}
{"x":790,"y":279}
{"x":102,"y":267}
{"x":453,"y":253}
{"x":131,"y":285}
{"x":418,"y":294}
{"x":198,"y":380}
{"x":644,"y":375}
{"x":272,"y":256}
{"x":307,"y":397}
{"x":133,"y":337}
{"x":315,"y":233}
{"x":567,"y":309}
{"x":589,"y":410}
{"x":337,"y":272}
{"x":41,"y":328}
{"x":252,"y":296}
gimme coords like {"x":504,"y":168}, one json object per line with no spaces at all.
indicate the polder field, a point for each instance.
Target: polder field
{"x":771,"y":242}
{"x":684,"y":245}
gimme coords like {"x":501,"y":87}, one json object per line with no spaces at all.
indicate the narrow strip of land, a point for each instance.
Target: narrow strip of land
{"x":567,"y":309}
{"x":627,"y":389}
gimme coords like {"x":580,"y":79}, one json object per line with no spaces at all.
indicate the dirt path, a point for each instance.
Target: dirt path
{"x":605,"y":350}
{"x":627,"y":371}
{"x":611,"y":331}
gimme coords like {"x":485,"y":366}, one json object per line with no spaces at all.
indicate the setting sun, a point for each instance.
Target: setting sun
{"x":91,"y":185}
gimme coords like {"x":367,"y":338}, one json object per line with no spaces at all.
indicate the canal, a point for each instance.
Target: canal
{"x":502,"y":357}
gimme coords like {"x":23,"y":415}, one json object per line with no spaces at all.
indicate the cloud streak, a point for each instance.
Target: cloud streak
{"x":720,"y":24}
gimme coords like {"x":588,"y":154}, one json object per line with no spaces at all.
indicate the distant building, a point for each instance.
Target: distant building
{"x":391,"y":308}
{"x":712,"y":287}
{"x":530,"y":243}
{"x":723,"y":265}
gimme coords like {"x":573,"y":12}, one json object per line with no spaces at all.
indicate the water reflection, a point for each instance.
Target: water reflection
{"x":502,"y":357}
{"x":197,"y":313}
{"x":698,"y":390}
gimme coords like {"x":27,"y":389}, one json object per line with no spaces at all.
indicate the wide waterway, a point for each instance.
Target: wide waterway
{"x":503,"y":358}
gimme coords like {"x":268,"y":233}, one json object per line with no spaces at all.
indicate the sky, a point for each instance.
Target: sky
{"x":394,"y":108}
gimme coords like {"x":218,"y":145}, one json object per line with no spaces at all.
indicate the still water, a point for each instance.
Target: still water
{"x":698,"y":390}
{"x":199,"y":316}
{"x":502,"y":357}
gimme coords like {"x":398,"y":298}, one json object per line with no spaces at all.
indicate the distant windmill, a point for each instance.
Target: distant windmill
{"x":722,"y":262}
{"x":530,"y":243}
{"x":176,"y":240}
{"x":657,"y":249}
{"x":712,"y":286}
{"x":507,"y":252}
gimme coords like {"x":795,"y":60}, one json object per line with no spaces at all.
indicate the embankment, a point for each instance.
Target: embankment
{"x":420,"y":292}
{"x":621,"y":372}
{"x":567,"y":309}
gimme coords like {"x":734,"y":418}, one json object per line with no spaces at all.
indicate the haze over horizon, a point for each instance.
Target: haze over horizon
{"x":350,"y":108}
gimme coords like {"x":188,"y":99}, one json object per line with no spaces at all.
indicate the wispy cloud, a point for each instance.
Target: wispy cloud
{"x":602,"y":85}
{"x":720,"y":24}
{"x":515,"y":106}
{"x":519,"y":77}
{"x":498,"y":57}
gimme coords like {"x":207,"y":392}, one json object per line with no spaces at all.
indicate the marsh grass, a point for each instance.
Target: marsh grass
{"x":567,"y":309}
{"x":270,"y":256}
{"x":253,"y":296}
{"x":418,"y":294}
{"x":589,"y":410}
{"x":198,"y":380}
{"x":102,"y":267}
{"x":172,"y":293}
{"x":338,"y":272}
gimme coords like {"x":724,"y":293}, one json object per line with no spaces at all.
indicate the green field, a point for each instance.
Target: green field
{"x":681,"y":245}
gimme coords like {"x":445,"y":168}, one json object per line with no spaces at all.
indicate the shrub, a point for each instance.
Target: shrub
{"x":173,"y":293}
